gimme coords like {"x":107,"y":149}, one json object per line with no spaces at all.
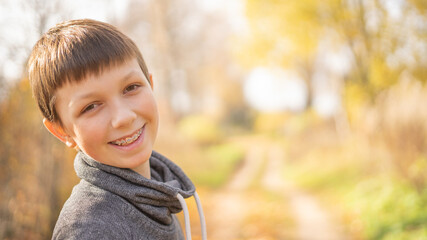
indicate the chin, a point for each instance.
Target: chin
{"x":140,"y":159}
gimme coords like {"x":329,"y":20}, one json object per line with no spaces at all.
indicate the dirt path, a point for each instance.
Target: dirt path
{"x":233,"y":205}
{"x":312,"y":222}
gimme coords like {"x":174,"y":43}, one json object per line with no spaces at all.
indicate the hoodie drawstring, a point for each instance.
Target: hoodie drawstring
{"x":187,"y":216}
{"x":201,"y":216}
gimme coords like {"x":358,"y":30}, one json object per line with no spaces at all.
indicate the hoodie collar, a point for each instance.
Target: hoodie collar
{"x":155,"y":197}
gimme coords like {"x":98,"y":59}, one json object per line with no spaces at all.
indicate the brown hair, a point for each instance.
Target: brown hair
{"x":71,"y":50}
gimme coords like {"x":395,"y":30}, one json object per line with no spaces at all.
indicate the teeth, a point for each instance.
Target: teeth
{"x":128,"y":140}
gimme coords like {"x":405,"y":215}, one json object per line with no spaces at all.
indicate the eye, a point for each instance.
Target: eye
{"x":131,"y":88}
{"x":90,"y":107}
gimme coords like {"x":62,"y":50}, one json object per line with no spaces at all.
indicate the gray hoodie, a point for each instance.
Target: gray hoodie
{"x":117,"y":203}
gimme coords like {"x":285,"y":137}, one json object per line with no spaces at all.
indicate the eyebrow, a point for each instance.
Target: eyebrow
{"x":91,"y":94}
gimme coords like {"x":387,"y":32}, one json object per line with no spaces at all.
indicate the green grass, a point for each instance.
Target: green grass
{"x":387,"y":207}
{"x":219,"y":162}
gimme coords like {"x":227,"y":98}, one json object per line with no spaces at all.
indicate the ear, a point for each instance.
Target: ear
{"x":59,"y":133}
{"x":151,"y":81}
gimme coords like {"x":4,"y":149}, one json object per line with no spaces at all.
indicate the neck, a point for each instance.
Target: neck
{"x":143,"y":169}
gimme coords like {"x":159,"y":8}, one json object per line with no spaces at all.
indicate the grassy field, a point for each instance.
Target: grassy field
{"x":352,"y":178}
{"x":357,"y":184}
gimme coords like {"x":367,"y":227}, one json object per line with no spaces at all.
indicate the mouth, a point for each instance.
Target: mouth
{"x":128,"y":140}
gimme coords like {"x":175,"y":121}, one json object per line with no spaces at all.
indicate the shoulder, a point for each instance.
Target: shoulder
{"x":92,"y":213}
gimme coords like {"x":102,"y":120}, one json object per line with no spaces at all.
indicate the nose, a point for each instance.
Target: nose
{"x":122,"y":115}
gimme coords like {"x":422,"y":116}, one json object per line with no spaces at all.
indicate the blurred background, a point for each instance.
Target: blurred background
{"x":296,"y":119}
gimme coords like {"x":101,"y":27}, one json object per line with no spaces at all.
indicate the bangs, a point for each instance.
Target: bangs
{"x":79,"y":55}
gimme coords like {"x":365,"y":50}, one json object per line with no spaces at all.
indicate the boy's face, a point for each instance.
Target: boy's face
{"x":112,"y":117}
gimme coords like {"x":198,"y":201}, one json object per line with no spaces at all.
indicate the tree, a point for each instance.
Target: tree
{"x":285,"y":34}
{"x":36,"y":170}
{"x":185,"y":48}
{"x":378,"y":33}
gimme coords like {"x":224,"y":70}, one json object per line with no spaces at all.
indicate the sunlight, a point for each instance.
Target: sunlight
{"x":275,"y":90}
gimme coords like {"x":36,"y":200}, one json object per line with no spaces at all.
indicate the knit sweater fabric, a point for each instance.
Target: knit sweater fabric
{"x":118,"y":203}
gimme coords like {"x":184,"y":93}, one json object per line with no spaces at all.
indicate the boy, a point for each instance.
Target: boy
{"x":95,"y":93}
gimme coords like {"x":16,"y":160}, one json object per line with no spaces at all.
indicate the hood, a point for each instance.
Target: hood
{"x":155,"y":197}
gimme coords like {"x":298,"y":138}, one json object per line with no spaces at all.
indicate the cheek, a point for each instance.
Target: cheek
{"x":90,"y":133}
{"x":153,"y":110}
{"x":154,"y":116}
{"x":148,"y":108}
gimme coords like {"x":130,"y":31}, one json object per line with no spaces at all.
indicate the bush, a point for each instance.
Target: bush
{"x":399,"y":122}
{"x":389,"y":209}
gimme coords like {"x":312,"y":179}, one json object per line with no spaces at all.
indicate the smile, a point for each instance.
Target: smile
{"x":128,"y":140}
